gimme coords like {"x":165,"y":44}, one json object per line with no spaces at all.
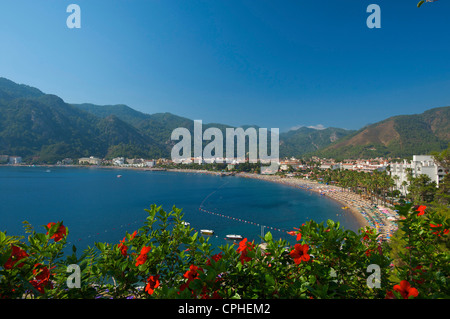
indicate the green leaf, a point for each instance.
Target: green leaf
{"x":270,"y":280}
{"x":194,"y":237}
{"x":268,"y":237}
{"x":2,"y":237}
{"x":27,"y":226}
{"x":420,"y":3}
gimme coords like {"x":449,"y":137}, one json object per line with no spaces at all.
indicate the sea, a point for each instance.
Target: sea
{"x":102,"y":204}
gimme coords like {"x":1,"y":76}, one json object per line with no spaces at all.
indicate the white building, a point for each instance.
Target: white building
{"x":149,"y":163}
{"x":90,"y":160}
{"x":421,"y":164}
{"x":15,"y":160}
{"x":118,"y":161}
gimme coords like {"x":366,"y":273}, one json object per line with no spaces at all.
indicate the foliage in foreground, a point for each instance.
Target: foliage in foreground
{"x":167,"y":259}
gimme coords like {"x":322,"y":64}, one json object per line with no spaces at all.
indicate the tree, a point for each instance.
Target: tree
{"x":422,"y":189}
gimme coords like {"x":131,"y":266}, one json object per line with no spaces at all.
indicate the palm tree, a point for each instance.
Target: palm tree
{"x":404,"y":185}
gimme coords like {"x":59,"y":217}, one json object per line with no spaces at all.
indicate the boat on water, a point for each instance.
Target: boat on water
{"x":186,"y":223}
{"x":119,"y":176}
{"x":234,"y":236}
{"x":206,"y":231}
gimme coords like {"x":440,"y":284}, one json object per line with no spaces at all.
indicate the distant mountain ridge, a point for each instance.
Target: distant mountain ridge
{"x":44,"y":128}
{"x":306,"y":140}
{"x":397,"y":136}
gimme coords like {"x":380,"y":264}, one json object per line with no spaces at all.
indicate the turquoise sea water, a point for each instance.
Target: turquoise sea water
{"x":97,"y":206}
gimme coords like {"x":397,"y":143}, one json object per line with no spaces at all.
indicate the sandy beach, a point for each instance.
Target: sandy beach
{"x":380,"y":218}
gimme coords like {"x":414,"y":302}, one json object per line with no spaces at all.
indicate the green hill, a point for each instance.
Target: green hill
{"x":398,"y":136}
{"x":306,"y":140}
{"x":43,"y":128}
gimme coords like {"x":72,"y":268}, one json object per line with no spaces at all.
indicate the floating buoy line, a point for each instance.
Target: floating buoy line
{"x":201,"y":209}
{"x":241,"y":220}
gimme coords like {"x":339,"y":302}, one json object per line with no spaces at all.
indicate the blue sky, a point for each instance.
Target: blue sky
{"x":271,"y":63}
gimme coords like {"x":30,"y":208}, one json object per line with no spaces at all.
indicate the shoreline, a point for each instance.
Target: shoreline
{"x":380,"y":218}
{"x":314,"y":187}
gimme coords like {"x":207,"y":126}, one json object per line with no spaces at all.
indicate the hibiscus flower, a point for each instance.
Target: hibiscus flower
{"x":191,"y":275}
{"x":300,"y":253}
{"x":17,"y":254}
{"x":142,"y":258}
{"x":59,"y":234}
{"x":406,"y":290}
{"x":294,"y":233}
{"x":152,"y":284}
{"x":438,"y":231}
{"x":215,"y":257}
{"x":123,"y":248}
{"x":243,"y":249}
{"x":41,"y":278}
{"x":421,"y":210}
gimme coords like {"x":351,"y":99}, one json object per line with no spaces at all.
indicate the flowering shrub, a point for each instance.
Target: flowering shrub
{"x":425,"y":267}
{"x":167,"y":259}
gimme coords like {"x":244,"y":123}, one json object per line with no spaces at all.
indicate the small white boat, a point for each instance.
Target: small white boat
{"x":207,"y":231}
{"x":119,"y":176}
{"x":186,"y":223}
{"x":233,"y":236}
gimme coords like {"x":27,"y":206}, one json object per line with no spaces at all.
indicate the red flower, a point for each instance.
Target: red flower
{"x":60,"y":233}
{"x":152,"y":284}
{"x":205,"y":294}
{"x":41,"y":278}
{"x":417,"y":274}
{"x":369,"y":252}
{"x":389,"y":295}
{"x":123,"y":248}
{"x":367,"y":233}
{"x":243,"y":249}
{"x":191,"y":275}
{"x":215,"y":257}
{"x":438,"y":232}
{"x":300,"y":253}
{"x":133,"y":235}
{"x":421,"y":210}
{"x":406,"y":290}
{"x":142,"y":258}
{"x":298,"y":234}
{"x":17,"y":254}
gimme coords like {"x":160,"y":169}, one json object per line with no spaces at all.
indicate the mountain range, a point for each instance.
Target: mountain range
{"x":43,"y":128}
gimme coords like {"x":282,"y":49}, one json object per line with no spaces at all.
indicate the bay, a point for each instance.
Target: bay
{"x":98,"y":206}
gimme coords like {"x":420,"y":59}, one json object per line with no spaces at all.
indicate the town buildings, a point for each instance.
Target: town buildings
{"x":90,"y":160}
{"x":420,"y":164}
{"x":12,"y":160}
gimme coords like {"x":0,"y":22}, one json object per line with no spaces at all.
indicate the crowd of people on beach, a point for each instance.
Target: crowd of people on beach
{"x":380,"y":218}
